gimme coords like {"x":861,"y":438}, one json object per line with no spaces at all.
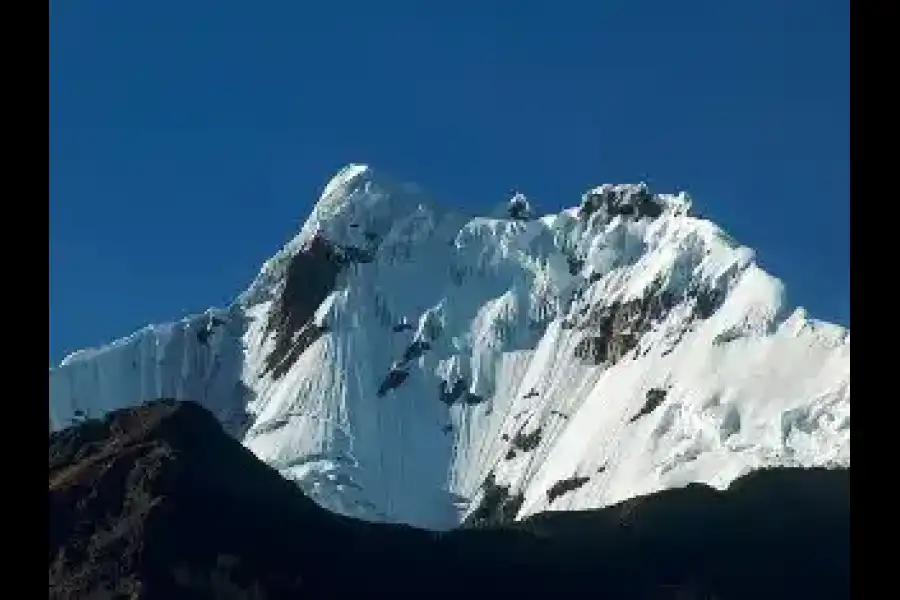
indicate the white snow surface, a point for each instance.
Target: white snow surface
{"x":755,"y":384}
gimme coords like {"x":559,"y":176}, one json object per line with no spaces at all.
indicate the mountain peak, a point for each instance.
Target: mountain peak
{"x":359,"y":199}
{"x":356,"y":209}
{"x":631,"y":200}
{"x":607,"y":351}
{"x":518,"y":208}
{"x":345,"y":177}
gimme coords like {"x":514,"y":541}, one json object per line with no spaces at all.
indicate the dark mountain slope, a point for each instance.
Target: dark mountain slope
{"x":158,"y":502}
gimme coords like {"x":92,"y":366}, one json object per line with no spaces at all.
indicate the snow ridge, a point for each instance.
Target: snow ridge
{"x":409,"y":363}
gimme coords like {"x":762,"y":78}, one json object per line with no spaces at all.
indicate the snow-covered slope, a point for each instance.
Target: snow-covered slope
{"x":408,"y":363}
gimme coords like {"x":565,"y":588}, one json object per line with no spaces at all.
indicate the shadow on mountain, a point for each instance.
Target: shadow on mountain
{"x":158,"y":502}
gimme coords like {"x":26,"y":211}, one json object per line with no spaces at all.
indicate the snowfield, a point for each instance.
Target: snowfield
{"x":405,"y":362}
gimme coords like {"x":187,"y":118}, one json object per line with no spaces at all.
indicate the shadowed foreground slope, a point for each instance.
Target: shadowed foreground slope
{"x":158,"y":502}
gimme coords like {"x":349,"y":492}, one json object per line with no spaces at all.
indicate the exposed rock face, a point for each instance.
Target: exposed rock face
{"x":592,"y":350}
{"x":630,"y":201}
{"x":565,"y":485}
{"x":655,"y":397}
{"x":519,"y":208}
{"x":393,"y":380}
{"x":311,"y":276}
{"x":615,"y":329}
{"x":524,"y":442}
{"x":458,"y":393}
{"x":157,"y":502}
{"x":498,"y":505}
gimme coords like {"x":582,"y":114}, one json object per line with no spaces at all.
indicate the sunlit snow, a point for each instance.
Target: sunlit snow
{"x":500,"y":304}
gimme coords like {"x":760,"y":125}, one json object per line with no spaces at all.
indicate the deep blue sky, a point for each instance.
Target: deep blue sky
{"x":188,"y":139}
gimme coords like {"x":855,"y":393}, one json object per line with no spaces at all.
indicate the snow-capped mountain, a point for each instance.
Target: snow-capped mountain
{"x":410,"y":363}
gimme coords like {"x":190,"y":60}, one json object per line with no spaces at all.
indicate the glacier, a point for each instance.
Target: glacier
{"x":407,"y":362}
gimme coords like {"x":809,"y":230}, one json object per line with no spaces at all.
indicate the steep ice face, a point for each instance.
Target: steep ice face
{"x":200,"y":357}
{"x":408,"y":363}
{"x":356,"y":210}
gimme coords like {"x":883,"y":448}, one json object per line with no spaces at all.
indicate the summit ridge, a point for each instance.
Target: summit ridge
{"x":403,"y":361}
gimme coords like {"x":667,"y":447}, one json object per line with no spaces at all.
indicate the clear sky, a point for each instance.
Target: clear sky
{"x":189,"y":139}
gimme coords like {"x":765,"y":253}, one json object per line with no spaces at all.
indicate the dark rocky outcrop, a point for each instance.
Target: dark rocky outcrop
{"x":470,"y":398}
{"x":458,"y":392}
{"x":518,"y":209}
{"x":591,"y":350}
{"x":497,"y":506}
{"x":635,"y":204}
{"x":415,"y":350}
{"x":311,"y":276}
{"x":615,"y":329}
{"x":564,"y":486}
{"x":574,"y":263}
{"x":654,"y":398}
{"x":392,"y":380}
{"x":524,"y":442}
{"x":158,"y":502}
{"x":207,"y":329}
{"x":450,"y":393}
{"x":706,"y":300}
